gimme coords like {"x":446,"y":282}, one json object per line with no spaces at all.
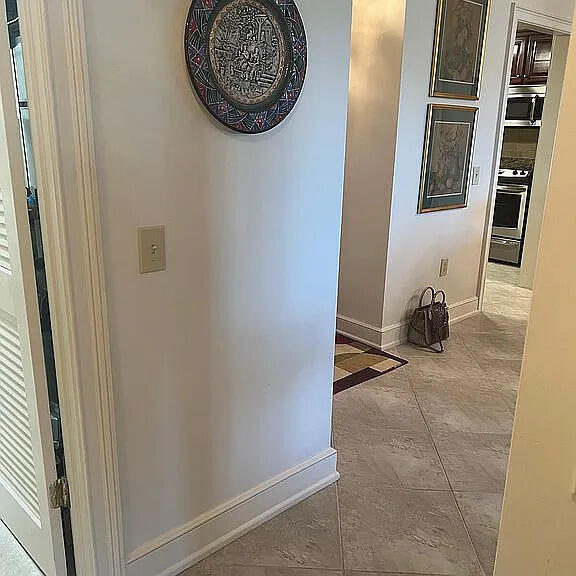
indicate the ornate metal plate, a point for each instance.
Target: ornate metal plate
{"x":247,"y":60}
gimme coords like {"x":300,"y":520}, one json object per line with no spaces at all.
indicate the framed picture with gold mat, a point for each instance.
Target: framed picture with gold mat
{"x":459,"y":48}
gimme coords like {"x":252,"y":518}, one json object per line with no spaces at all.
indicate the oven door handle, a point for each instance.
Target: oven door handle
{"x":513,"y":189}
{"x":503,"y":242}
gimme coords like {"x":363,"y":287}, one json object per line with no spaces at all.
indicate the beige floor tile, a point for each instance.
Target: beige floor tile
{"x":207,"y":569}
{"x":379,"y":406}
{"x":406,"y":531}
{"x":306,"y":536}
{"x":454,"y":410}
{"x":501,"y":346}
{"x":435,"y":371}
{"x":504,"y":374}
{"x":474,"y":462}
{"x":356,"y":573}
{"x":13,"y":558}
{"x":482,"y":517}
{"x":396,"y":458}
{"x":488,"y":322}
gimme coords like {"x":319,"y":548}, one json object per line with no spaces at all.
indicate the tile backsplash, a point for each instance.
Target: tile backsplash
{"x":520,"y":143}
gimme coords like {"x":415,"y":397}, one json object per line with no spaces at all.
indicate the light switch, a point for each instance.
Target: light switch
{"x":475,"y":175}
{"x":152,"y":249}
{"x":444,"y":267}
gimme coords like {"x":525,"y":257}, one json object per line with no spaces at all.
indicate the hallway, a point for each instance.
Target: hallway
{"x":422,"y":454}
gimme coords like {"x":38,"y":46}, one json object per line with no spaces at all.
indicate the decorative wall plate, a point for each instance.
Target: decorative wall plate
{"x":247,"y":60}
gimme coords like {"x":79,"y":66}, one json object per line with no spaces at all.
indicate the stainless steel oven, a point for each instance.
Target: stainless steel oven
{"x":510,"y":209}
{"x":525,"y":106}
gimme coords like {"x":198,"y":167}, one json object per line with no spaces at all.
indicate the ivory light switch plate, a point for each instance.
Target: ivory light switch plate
{"x":475,"y":175}
{"x":152,"y":249}
{"x":444,"y":267}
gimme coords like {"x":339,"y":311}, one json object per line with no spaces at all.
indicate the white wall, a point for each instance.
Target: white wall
{"x":419,"y":241}
{"x":222,"y":365}
{"x":543,"y":161}
{"x":376,"y":63}
{"x":538,"y":527}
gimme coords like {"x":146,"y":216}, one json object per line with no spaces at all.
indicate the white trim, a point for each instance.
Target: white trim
{"x":73,"y":380}
{"x":178,"y":549}
{"x":87,"y":186}
{"x":464,"y":309}
{"x":34,"y":25}
{"x":358,"y":330}
{"x":548,"y":21}
{"x":394,"y":335}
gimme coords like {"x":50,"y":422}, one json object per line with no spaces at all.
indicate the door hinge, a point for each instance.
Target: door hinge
{"x":60,"y":494}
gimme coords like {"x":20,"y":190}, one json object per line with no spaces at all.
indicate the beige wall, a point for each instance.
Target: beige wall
{"x":538,"y":532}
{"x":376,"y":63}
{"x":544,"y":159}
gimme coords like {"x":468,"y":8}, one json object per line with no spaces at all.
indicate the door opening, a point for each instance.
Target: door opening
{"x":531,"y":104}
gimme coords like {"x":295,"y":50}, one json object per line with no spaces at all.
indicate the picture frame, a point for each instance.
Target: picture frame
{"x":447,"y":158}
{"x":459,"y":46}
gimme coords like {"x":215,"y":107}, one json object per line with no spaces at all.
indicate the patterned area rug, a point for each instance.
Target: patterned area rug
{"x":355,"y":363}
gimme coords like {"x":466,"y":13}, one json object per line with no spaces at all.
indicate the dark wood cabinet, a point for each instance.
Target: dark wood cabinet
{"x":538,"y":59}
{"x":531,"y":59}
{"x":519,"y":60}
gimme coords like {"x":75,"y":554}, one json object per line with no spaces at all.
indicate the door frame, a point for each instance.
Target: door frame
{"x":66,"y":161}
{"x":539,"y":20}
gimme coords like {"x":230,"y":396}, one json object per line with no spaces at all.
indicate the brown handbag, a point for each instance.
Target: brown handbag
{"x":430,"y":323}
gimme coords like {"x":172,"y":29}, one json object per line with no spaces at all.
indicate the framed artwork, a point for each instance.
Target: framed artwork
{"x":459,"y":48}
{"x":247,"y":60}
{"x":448,"y":149}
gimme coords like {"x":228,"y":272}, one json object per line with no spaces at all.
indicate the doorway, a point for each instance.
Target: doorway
{"x":530,"y":107}
{"x":34,"y":499}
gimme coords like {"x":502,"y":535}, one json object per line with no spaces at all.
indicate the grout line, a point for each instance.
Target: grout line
{"x":310,"y":569}
{"x":447,"y":479}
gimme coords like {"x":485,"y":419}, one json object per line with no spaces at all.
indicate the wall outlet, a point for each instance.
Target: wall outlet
{"x":475,"y":175}
{"x":152,"y":249}
{"x":444,"y":267}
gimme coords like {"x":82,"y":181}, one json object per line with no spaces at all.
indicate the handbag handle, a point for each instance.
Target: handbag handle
{"x":424,"y":294}
{"x":443,"y":294}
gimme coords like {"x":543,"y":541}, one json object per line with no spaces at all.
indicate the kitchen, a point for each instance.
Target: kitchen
{"x":524,"y":112}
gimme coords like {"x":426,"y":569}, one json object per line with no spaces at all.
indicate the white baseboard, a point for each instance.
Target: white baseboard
{"x":186,"y":545}
{"x":358,"y":330}
{"x":464,"y":309}
{"x":395,"y":334}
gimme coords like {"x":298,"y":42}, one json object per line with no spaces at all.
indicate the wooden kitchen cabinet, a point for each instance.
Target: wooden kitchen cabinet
{"x":538,"y":59}
{"x":519,"y":59}
{"x":531,"y":59}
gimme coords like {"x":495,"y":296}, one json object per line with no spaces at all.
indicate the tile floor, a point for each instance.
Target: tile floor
{"x":422,"y":455}
{"x":13,"y":558}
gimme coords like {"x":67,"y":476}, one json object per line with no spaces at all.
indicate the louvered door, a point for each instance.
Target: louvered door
{"x":27,"y":462}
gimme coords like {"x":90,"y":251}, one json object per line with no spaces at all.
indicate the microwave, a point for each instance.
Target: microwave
{"x":525,"y":106}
